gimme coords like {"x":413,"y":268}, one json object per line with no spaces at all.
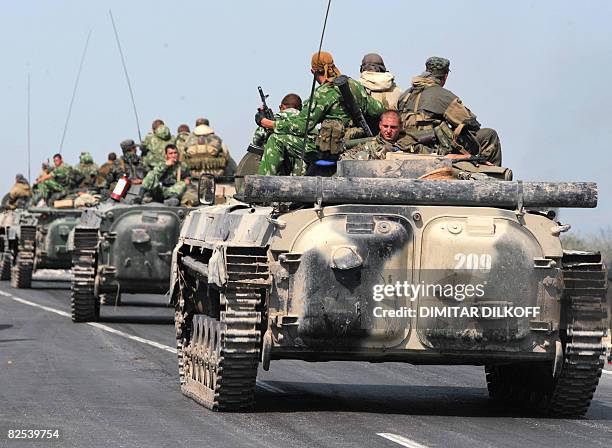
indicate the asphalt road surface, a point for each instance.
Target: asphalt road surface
{"x":115,"y":384}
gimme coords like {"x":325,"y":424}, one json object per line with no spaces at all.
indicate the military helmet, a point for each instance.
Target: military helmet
{"x":127,"y":145}
{"x":200,"y":121}
{"x":437,"y":66}
{"x":372,"y":62}
{"x":86,"y":158}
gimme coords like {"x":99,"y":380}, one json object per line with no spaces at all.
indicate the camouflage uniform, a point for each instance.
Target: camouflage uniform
{"x":260,"y":137}
{"x":434,"y":118}
{"x":164,"y":182}
{"x":58,"y":183}
{"x":372,"y":149}
{"x":20,"y":194}
{"x":286,"y":143}
{"x":181,"y":143}
{"x":85,"y":173}
{"x":108,"y":173}
{"x":206,"y":152}
{"x":154,"y":144}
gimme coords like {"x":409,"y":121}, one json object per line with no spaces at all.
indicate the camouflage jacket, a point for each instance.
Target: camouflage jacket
{"x":61,"y":174}
{"x":154,"y":144}
{"x":131,"y":166}
{"x":85,"y":175}
{"x":260,"y":137}
{"x":19,"y":196}
{"x":163,"y":175}
{"x":372,"y":149}
{"x":326,"y":105}
{"x":181,"y":143}
{"x":206,"y":152}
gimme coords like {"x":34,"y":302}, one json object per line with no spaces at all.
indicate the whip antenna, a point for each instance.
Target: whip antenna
{"x":127,"y":77}
{"x":76,"y":84}
{"x":312,"y":89}
{"x":28,"y":127}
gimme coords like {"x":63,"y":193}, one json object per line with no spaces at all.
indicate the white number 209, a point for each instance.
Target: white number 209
{"x":473,"y":262}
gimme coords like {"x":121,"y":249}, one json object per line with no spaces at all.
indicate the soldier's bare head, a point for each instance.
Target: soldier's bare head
{"x":390,"y":125}
{"x":57,"y":159}
{"x":182,"y":128}
{"x":112,"y":156}
{"x":171,"y":152}
{"x":157,"y":123}
{"x":372,"y":62}
{"x":291,"y":101}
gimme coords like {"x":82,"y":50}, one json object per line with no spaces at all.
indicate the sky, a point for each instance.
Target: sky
{"x":537,"y":71}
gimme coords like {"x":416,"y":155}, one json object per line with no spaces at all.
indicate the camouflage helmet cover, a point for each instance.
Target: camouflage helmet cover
{"x":437,"y":65}
{"x":127,"y":145}
{"x":86,"y":158}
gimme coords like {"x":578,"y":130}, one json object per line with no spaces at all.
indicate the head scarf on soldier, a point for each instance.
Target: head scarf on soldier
{"x":323,"y":63}
{"x":372,"y":62}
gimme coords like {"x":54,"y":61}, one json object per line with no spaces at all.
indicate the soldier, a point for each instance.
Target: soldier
{"x":107,"y":173}
{"x":286,"y":143}
{"x":167,"y":181}
{"x":152,"y":147}
{"x":182,"y":136}
{"x":56,"y":183}
{"x":85,"y":173}
{"x":130,"y":162}
{"x":290,"y":105}
{"x":386,"y":141}
{"x":435,"y":119}
{"x":378,"y":81}
{"x":206,"y":153}
{"x":20,"y":194}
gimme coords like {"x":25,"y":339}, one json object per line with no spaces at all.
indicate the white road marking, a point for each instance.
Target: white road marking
{"x":400,"y":440}
{"x":112,"y":330}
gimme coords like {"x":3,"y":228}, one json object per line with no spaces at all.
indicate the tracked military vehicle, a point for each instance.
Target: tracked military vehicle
{"x":10,"y":224}
{"x":38,"y":239}
{"x":378,"y":265}
{"x":121,"y":248}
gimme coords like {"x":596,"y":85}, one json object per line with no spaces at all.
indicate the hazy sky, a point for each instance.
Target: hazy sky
{"x":537,"y":71}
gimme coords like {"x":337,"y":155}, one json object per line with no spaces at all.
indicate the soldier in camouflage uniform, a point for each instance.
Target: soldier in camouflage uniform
{"x":85,"y":173}
{"x":183,"y":133}
{"x":107,"y":173}
{"x":206,"y":152}
{"x":290,"y":105}
{"x":56,"y":183}
{"x":167,"y":181}
{"x":436,"y":120}
{"x":20,"y":194}
{"x":287,"y":141}
{"x":386,"y":141}
{"x":152,"y":147}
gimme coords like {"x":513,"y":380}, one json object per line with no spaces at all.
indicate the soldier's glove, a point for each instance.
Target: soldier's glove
{"x":259,"y":116}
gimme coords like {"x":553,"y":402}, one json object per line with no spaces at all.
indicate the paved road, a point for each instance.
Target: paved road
{"x":115,"y":384}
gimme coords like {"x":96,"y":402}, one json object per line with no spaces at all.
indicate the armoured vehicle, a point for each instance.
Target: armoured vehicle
{"x":378,"y":265}
{"x":10,"y":221}
{"x":121,"y":248}
{"x":37,"y":239}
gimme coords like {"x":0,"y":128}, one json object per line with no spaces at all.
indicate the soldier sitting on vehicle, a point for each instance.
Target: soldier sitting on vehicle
{"x":167,"y":181}
{"x":290,"y":105}
{"x":152,"y":147}
{"x":183,"y":134}
{"x":20,"y":194}
{"x":386,"y":141}
{"x":206,"y":152}
{"x":55,"y":184}
{"x":85,"y":173}
{"x":436,"y":120}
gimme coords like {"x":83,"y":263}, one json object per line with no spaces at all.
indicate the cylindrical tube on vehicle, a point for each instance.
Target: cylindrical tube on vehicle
{"x":121,"y":188}
{"x":347,"y":190}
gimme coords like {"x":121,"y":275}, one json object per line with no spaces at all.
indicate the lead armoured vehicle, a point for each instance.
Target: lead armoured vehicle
{"x":378,"y":265}
{"x":38,"y":239}
{"x":121,"y":248}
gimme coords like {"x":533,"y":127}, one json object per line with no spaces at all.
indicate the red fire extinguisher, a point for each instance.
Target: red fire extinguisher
{"x":121,"y":189}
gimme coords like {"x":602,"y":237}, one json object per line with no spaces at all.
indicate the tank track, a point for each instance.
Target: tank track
{"x":84,"y":305}
{"x":6,"y":263}
{"x":218,"y":367}
{"x":21,"y":272}
{"x":569,"y":394}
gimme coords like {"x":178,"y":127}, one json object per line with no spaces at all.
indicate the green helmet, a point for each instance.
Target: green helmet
{"x":86,"y":158}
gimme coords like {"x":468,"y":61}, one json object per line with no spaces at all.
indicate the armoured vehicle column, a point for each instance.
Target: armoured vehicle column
{"x":376,"y":265}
